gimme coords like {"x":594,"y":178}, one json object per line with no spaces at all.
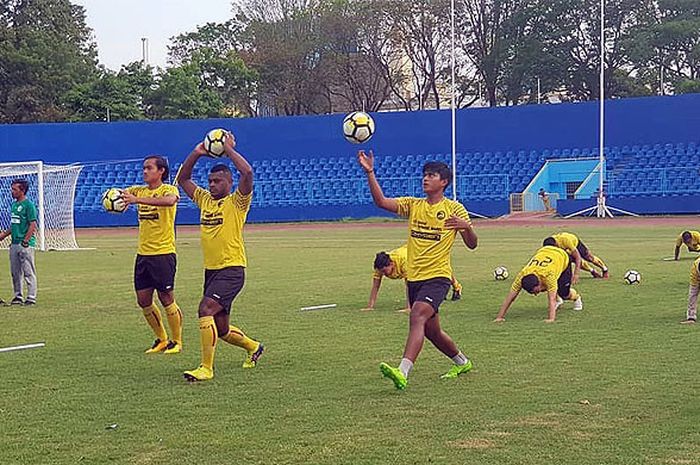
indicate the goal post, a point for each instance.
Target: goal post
{"x":52,"y":189}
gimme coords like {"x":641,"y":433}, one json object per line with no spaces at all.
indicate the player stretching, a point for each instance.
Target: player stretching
{"x":156,"y":262}
{"x":393,"y":266}
{"x":223,"y":215}
{"x":693,"y":291}
{"x":581,"y":255}
{"x":433,"y":224}
{"x":691,"y":239}
{"x":549,"y":270}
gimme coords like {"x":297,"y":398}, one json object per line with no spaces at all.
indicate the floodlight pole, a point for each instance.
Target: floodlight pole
{"x":452,"y":104}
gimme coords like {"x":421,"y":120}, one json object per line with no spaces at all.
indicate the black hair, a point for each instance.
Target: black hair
{"x":221,"y":168}
{"x":23,"y":184}
{"x":549,"y":241}
{"x":161,"y":162}
{"x":529,"y":282}
{"x":381,"y":260}
{"x":440,"y":168}
{"x":686,"y":235}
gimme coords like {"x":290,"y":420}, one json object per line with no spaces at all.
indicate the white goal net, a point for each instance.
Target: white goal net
{"x":52,"y":189}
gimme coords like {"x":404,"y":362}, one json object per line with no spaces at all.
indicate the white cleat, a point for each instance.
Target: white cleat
{"x":578,"y":304}
{"x":560,"y":301}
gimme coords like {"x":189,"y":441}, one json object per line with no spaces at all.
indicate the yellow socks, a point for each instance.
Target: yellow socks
{"x":236,"y":337}
{"x":456,"y":285}
{"x":600,"y":263}
{"x":585,"y":266}
{"x":573,"y":295}
{"x":207,"y":336}
{"x":175,"y":321}
{"x":155,"y":321}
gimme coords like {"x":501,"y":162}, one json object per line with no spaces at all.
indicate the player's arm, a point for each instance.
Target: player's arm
{"x":676,"y":252}
{"x":30,"y":232}
{"x":408,"y":299}
{"x":577,"y":265}
{"x":4,"y":234}
{"x":367,"y":164}
{"x":245,"y":181}
{"x":552,"y":300}
{"x":376,"y":282}
{"x":465,"y":230}
{"x":184,"y":177}
{"x":166,"y":201}
{"x":510,"y":298}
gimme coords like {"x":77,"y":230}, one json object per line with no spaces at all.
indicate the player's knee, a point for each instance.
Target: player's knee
{"x":144,"y":302}
{"x":421,"y":312}
{"x":208,"y":307}
{"x":166,"y":298}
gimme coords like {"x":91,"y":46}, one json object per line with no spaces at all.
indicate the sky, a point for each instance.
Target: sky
{"x":119,"y":25}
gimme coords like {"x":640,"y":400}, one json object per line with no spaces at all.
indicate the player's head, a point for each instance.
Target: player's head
{"x":436,"y":177}
{"x":19,"y":188}
{"x":549,"y":241}
{"x":531,"y":284}
{"x":383,"y":263}
{"x":220,"y":181}
{"x":155,"y":169}
{"x":686,"y":237}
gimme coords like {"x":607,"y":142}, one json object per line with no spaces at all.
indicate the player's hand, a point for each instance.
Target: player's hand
{"x":129,"y":198}
{"x":366,"y":161}
{"x":499,"y":320}
{"x":199,"y":150}
{"x":229,"y":141}
{"x":455,"y":222}
{"x":574,"y":278}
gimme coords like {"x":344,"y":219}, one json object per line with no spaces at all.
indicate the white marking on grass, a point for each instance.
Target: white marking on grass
{"x":318,"y":307}
{"x":23,"y":347}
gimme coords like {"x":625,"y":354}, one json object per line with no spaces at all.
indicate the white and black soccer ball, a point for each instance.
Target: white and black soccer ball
{"x":358,"y":127}
{"x":633,"y":277}
{"x":113,"y":202}
{"x":500,"y":273}
{"x":214,"y":142}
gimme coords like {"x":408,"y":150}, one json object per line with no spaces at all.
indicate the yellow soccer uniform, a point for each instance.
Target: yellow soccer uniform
{"x":400,"y":258}
{"x":221,"y":223}
{"x":566,"y":241}
{"x":548,"y":264}
{"x":694,"y":245}
{"x":695,"y":274}
{"x":429,"y":242}
{"x":156,"y":224}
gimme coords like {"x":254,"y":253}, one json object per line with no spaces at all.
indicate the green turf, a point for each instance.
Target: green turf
{"x":616,"y":383}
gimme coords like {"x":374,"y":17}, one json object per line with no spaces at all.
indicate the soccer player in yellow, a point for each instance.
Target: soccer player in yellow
{"x":691,"y":239}
{"x":156,"y":262}
{"x":691,"y":315}
{"x":581,"y":255}
{"x":223,"y":215}
{"x":433,"y":224}
{"x":393,"y":266}
{"x":549,"y":270}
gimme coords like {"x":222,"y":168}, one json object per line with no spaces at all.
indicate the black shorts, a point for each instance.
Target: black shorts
{"x":564,"y":282}
{"x":431,"y":291}
{"x":582,"y":250}
{"x":155,"y":272}
{"x":224,"y":285}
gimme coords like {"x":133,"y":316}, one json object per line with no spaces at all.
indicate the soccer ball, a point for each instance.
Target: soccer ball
{"x":214,"y":142}
{"x":632,"y":277}
{"x":112,"y":201}
{"x":358,"y":127}
{"x":500,"y":273}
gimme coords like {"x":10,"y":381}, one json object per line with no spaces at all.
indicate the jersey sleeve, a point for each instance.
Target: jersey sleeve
{"x":460,"y":211}
{"x":679,"y":241}
{"x":404,"y":204}
{"x":517,"y":283}
{"x":171,"y":190}
{"x":31,"y":212}
{"x":200,"y":195}
{"x":242,"y":202}
{"x":376,"y":274}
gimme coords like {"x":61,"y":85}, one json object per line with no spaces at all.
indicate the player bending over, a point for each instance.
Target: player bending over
{"x":549,"y":270}
{"x":156,"y":262}
{"x":222,"y":217}
{"x":691,"y":239}
{"x":693,"y":291}
{"x":393,"y":266}
{"x":582,"y":256}
{"x":433,"y":223}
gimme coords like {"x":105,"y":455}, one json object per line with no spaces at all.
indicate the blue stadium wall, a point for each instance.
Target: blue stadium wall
{"x":533,"y":128}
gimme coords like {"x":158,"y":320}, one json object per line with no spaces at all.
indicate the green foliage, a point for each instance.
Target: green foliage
{"x":182,"y":94}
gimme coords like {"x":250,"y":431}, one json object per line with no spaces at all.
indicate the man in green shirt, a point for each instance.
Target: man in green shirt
{"x":22,"y":230}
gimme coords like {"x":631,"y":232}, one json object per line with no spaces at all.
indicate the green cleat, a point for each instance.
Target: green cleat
{"x":457,"y":370}
{"x":395,"y":375}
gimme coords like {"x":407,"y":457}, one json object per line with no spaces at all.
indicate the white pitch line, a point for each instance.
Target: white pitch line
{"x":319,"y":307}
{"x":23,"y":347}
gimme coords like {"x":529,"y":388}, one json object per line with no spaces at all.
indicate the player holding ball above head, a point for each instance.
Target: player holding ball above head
{"x":156,"y":261}
{"x":223,"y":215}
{"x":548,"y":271}
{"x":433,"y":223}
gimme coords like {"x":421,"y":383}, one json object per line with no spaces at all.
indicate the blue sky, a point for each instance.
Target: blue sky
{"x":119,"y":25}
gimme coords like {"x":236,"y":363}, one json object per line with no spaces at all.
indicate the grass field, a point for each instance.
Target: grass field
{"x":615,"y":383}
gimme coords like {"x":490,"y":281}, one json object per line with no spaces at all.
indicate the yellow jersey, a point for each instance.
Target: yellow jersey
{"x":156,"y":224}
{"x":695,"y":274}
{"x":221,"y":223}
{"x":566,"y":241}
{"x":400,"y":258}
{"x":694,"y":245}
{"x":548,"y":264}
{"x":429,"y":242}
